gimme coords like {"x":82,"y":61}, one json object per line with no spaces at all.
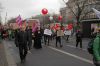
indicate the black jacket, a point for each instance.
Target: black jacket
{"x":22,"y":38}
{"x":29,"y":34}
{"x":78,"y":36}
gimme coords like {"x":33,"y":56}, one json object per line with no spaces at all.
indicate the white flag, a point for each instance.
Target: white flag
{"x":96,"y":12}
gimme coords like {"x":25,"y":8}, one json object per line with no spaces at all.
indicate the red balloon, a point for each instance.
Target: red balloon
{"x":60,"y":18}
{"x":70,"y":26}
{"x":44,"y":11}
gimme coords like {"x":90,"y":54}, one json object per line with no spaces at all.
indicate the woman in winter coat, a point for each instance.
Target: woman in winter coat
{"x":96,"y":49}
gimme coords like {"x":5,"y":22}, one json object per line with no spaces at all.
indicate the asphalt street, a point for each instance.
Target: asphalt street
{"x":55,"y":56}
{"x":3,"y":60}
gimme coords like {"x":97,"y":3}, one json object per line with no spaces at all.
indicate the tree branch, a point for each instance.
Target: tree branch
{"x":85,"y":15}
{"x":84,"y":4}
{"x":79,"y":8}
{"x":70,"y":8}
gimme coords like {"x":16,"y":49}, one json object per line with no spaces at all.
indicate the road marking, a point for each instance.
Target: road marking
{"x":75,"y":47}
{"x":72,"y":55}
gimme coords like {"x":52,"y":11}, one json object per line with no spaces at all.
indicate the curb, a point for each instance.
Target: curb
{"x":9,"y":57}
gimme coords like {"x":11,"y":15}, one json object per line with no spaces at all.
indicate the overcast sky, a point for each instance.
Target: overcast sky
{"x":28,"y":8}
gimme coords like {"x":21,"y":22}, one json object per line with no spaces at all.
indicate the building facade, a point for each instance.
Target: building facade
{"x":87,"y":17}
{"x":87,"y":12}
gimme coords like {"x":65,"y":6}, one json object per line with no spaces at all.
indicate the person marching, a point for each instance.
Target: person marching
{"x":37,"y":39}
{"x":96,"y":49}
{"x":22,"y":41}
{"x":29,"y":32}
{"x":16,"y":37}
{"x":47,"y":35}
{"x":9,"y":34}
{"x":67,"y":34}
{"x":79,"y":38}
{"x":59,"y":34}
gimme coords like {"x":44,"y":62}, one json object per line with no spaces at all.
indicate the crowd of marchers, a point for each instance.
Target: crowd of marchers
{"x":25,"y":40}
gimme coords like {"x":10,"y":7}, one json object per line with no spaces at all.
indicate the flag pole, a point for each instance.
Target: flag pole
{"x":6,"y":18}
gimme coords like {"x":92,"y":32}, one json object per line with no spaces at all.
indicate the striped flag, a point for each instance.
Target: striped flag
{"x":19,"y":20}
{"x":35,"y":25}
{"x":96,"y":12}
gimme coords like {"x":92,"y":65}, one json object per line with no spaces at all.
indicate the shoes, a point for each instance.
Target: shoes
{"x":81,"y":49}
{"x":56,"y":45}
{"x":22,"y":61}
{"x":61,"y":45}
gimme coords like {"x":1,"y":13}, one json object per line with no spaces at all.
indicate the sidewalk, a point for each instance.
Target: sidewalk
{"x":3,"y":60}
{"x":8,"y":53}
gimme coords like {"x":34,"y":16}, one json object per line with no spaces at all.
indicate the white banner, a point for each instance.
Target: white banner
{"x":67,"y":32}
{"x":47,"y":32}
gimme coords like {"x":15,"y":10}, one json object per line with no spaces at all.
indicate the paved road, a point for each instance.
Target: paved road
{"x":3,"y":60}
{"x":52,"y":56}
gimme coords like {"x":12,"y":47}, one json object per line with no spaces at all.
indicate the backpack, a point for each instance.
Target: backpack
{"x":78,"y":35}
{"x":90,"y":46}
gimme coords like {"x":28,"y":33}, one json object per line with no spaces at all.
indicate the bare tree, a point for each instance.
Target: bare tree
{"x":79,"y":8}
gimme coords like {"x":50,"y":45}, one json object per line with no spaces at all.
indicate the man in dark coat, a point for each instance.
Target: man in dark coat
{"x":16,"y":37}
{"x":22,"y":40}
{"x":29,"y":33}
{"x":79,"y":38}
